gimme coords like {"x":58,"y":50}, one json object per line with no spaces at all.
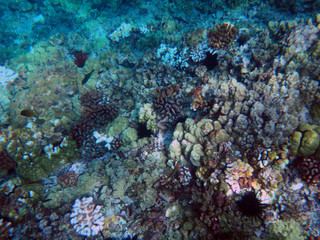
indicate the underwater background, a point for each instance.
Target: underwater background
{"x":163,"y":119}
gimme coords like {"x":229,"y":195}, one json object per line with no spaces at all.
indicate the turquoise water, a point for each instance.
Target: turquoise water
{"x":159,"y":119}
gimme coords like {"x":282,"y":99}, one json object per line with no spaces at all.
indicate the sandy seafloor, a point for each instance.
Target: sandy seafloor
{"x":159,"y":119}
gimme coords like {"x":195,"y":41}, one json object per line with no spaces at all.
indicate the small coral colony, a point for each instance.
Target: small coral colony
{"x":161,"y":126}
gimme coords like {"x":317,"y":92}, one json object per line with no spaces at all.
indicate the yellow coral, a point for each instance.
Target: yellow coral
{"x":113,"y":225}
{"x":306,"y":140}
{"x":147,"y":115}
{"x":291,"y":230}
{"x":309,"y":143}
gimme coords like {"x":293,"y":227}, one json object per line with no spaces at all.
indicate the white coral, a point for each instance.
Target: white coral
{"x":172,"y":56}
{"x":199,"y":52}
{"x":122,"y":31}
{"x":7,"y":75}
{"x":85,"y":217}
{"x":103,"y":138}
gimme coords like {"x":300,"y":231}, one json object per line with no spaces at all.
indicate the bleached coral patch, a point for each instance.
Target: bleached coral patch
{"x":7,"y":75}
{"x":122,"y":31}
{"x":173,"y":56}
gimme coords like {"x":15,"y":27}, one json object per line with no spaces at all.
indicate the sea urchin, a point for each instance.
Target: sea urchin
{"x":249,"y":205}
{"x":80,"y":58}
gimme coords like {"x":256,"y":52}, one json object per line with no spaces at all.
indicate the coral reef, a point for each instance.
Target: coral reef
{"x":182,"y":132}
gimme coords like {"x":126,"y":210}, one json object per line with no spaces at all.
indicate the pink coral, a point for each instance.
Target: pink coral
{"x":86,"y":218}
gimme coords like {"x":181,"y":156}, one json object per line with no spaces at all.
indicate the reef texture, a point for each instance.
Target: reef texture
{"x":163,"y":123}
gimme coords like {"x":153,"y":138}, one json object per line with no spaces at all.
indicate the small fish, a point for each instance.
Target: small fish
{"x":28,"y":113}
{"x":31,"y":113}
{"x":87,"y":77}
{"x":197,"y":117}
{"x":174,"y":170}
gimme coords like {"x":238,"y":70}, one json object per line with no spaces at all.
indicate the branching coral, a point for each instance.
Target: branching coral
{"x":97,"y":107}
{"x":168,"y":102}
{"x":308,"y":168}
{"x":86,"y":217}
{"x":96,"y":111}
{"x":221,"y":36}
